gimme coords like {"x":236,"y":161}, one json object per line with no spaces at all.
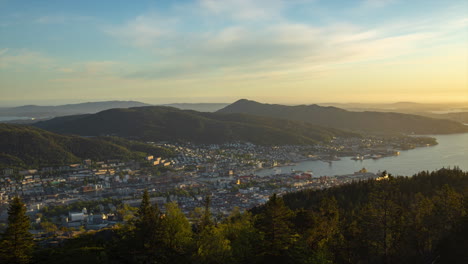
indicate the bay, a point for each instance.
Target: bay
{"x":9,"y":118}
{"x":451,"y":151}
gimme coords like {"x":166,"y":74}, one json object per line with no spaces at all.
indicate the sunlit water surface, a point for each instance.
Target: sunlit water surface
{"x":451,"y":151}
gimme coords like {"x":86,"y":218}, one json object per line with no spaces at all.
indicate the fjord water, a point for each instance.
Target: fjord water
{"x":451,"y":151}
{"x":9,"y":118}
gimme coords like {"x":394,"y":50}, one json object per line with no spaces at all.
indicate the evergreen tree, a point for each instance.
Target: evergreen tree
{"x":382,"y":221}
{"x":206,"y":217}
{"x":17,"y":243}
{"x":275,"y":224}
{"x":212,"y":247}
{"x":148,"y":228}
{"x":422,"y":234}
{"x":325,"y":226}
{"x":244,"y":238}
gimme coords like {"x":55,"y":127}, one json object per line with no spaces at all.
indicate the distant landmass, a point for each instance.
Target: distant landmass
{"x":367,"y":121}
{"x":458,"y":116}
{"x":401,"y":107}
{"x":201,"y":107}
{"x":160,"y":123}
{"x":456,"y":111}
{"x":24,"y":146}
{"x":37,"y":111}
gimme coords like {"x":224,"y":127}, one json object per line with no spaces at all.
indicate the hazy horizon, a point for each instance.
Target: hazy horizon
{"x":275,"y":51}
{"x":168,"y":102}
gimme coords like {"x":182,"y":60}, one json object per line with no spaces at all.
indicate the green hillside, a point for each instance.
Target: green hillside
{"x":373,"y":122}
{"x":25,"y":146}
{"x":170,"y":124}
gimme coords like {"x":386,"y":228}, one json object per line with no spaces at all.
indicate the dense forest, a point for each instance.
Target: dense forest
{"x":418,"y":219}
{"x":159,"y":123}
{"x":26,"y":147}
{"x":367,"y":121}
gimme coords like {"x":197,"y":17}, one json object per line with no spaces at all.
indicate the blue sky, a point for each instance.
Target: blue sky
{"x":295,"y":51}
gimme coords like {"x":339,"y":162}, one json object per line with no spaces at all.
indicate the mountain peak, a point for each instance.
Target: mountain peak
{"x":244,"y":101}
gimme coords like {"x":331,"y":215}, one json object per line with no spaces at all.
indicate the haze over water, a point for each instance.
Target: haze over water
{"x":451,"y":151}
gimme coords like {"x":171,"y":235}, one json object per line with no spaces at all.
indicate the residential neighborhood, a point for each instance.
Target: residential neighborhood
{"x":227,"y":173}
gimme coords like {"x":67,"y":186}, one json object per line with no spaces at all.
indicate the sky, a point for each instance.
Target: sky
{"x":277,"y":51}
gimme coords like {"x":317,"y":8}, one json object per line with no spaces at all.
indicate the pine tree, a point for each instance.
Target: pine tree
{"x":244,"y":239}
{"x":275,"y":224}
{"x":17,"y":243}
{"x":382,"y":221}
{"x":148,"y":227}
{"x":325,"y":226}
{"x":206,"y":217}
{"x":212,"y":247}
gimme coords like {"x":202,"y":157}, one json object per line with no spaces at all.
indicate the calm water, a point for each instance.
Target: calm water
{"x":8,"y":118}
{"x":452,"y":150}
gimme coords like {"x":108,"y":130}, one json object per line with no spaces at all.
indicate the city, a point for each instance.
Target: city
{"x":233,"y":132}
{"x":227,"y":173}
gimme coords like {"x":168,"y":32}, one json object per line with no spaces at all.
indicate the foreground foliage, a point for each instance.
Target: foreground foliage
{"x":419,"y":219}
{"x":16,"y":244}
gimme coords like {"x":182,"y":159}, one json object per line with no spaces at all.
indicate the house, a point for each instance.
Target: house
{"x":7,"y":172}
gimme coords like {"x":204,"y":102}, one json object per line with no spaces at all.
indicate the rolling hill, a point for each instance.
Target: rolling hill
{"x":461,"y":117}
{"x":25,"y":146}
{"x":200,"y":107}
{"x":37,"y":111}
{"x":369,"y":122}
{"x":158,"y":123}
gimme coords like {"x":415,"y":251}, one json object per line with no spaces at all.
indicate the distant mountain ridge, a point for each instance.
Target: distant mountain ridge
{"x":329,"y":116}
{"x":36,"y":111}
{"x":158,"y":123}
{"x":459,"y":116}
{"x":200,"y":107}
{"x":26,"y":146}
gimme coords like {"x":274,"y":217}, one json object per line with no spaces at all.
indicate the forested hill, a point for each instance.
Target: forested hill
{"x":159,"y":123}
{"x":25,"y":146}
{"x":39,"y":111}
{"x":379,"y":122}
{"x":420,"y":219}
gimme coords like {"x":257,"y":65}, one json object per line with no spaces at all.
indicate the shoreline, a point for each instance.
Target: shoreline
{"x":296,"y":163}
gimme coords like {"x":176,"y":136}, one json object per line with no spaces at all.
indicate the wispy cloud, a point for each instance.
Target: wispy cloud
{"x":61,"y":19}
{"x":273,"y":47}
{"x":3,"y":51}
{"x":243,"y":9}
{"x":202,"y":44}
{"x":377,"y":3}
{"x":20,"y":59}
{"x":144,"y":30}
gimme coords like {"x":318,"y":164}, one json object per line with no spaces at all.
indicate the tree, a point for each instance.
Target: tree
{"x":422,"y":232}
{"x":244,"y":239}
{"x":325,"y":226}
{"x":275,"y":224}
{"x":206,"y":217}
{"x":148,"y":228}
{"x":212,"y":247}
{"x":383,"y":221}
{"x":49,"y":227}
{"x":17,"y":243}
{"x":176,"y":231}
